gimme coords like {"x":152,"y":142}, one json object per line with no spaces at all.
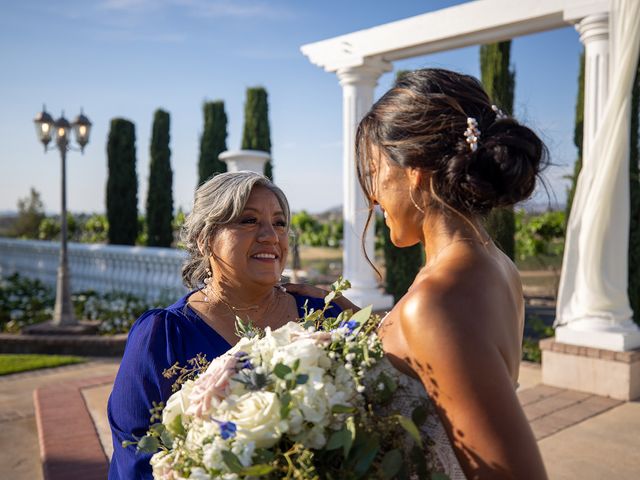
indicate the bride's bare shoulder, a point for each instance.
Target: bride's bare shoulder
{"x":449,"y":302}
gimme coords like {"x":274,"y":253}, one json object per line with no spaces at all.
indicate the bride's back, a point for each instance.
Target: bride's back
{"x":473,"y":278}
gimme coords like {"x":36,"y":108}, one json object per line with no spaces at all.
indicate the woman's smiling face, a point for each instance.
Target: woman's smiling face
{"x":254,"y":248}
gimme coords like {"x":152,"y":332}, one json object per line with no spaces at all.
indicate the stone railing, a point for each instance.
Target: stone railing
{"x":147,"y":272}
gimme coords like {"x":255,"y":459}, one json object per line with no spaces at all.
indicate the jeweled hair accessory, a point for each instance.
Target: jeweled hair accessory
{"x":499,"y":113}
{"x":472,"y":133}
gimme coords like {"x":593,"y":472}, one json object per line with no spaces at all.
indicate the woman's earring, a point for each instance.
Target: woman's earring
{"x":415,"y":204}
{"x":207,"y":282}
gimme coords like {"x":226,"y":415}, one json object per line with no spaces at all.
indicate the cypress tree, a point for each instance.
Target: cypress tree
{"x":634,"y":226}
{"x":213,"y":141}
{"x":159,"y":197}
{"x":402,"y":264}
{"x":499,"y":82}
{"x":122,"y":183}
{"x":256,"y":134}
{"x":578,"y":132}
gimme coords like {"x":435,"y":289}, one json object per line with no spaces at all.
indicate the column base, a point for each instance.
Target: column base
{"x":619,"y":338}
{"x":364,"y":297}
{"x":598,"y":371}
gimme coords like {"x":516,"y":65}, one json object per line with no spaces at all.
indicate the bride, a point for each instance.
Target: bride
{"x":436,"y":155}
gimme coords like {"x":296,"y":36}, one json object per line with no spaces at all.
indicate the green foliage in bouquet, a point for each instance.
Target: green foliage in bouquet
{"x":299,"y":402}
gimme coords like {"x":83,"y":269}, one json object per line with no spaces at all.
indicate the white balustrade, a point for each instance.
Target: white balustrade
{"x":151,"y":273}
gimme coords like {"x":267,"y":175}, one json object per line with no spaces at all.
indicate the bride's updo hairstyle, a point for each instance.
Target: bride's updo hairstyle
{"x":421,"y":123}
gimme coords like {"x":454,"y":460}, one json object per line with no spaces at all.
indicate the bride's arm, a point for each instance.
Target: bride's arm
{"x":451,"y":349}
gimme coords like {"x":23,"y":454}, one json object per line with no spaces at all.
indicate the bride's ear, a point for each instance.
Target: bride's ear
{"x":418,"y":178}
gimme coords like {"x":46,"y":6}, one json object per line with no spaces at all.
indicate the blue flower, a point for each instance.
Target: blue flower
{"x":227,"y":429}
{"x":247,"y":364}
{"x":351,"y":325}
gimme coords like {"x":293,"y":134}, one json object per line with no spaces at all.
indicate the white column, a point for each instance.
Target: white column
{"x":593,"y":306}
{"x":594,"y":35}
{"x":358,"y":84}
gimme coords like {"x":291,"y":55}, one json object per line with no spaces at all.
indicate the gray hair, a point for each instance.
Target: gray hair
{"x":218,"y":201}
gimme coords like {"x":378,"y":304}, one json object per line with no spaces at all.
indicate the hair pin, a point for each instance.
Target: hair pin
{"x":472,"y":133}
{"x":500,"y":115}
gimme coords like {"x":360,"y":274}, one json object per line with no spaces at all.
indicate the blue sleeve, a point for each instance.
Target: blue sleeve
{"x":139,"y":382}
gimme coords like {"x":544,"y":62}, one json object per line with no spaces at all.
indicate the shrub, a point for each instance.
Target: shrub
{"x":24,"y":302}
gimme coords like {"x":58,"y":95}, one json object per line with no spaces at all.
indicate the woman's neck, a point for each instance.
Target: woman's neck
{"x":440,"y":230}
{"x":240,"y":297}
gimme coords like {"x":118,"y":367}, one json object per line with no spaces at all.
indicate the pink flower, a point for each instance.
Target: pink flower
{"x":318,"y":337}
{"x":212,"y":384}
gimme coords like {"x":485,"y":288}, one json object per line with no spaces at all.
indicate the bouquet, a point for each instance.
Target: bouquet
{"x":298,"y":402}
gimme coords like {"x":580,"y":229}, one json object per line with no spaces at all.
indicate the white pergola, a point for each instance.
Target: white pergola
{"x":593,"y":306}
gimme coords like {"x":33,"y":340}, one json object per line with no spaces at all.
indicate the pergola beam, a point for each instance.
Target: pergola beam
{"x":450,"y":28}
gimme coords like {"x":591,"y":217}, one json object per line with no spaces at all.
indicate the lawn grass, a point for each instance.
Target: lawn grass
{"x":14,"y":363}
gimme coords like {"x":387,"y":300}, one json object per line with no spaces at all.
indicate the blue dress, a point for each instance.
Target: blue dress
{"x":157,"y":340}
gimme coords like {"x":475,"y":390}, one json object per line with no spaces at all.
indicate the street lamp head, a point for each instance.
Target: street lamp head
{"x":82,"y":128}
{"x":44,"y":127}
{"x":63,"y":128}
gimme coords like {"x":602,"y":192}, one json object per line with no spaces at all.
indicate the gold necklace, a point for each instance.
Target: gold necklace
{"x":235,"y":310}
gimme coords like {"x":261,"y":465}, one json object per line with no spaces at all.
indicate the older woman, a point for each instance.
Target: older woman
{"x":237,"y":239}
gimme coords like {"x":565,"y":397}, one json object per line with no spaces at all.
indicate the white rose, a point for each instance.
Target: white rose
{"x":257,"y":418}
{"x":304,"y":349}
{"x":177,"y":403}
{"x":161,"y":466}
{"x":312,"y":401}
{"x":286,"y":333}
{"x":198,"y":473}
{"x":244,"y":345}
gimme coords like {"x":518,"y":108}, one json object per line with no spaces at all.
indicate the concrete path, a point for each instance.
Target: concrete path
{"x":19,"y":448}
{"x":580,"y":435}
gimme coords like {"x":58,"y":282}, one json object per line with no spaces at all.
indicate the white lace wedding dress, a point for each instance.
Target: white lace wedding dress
{"x":410,"y":393}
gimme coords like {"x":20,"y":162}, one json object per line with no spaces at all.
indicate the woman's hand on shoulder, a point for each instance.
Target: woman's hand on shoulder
{"x":461,"y":367}
{"x":312,"y":291}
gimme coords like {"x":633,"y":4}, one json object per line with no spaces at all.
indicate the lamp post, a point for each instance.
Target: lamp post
{"x":47,"y":129}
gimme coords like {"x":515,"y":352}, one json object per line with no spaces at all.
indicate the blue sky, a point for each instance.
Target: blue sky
{"x":126,"y":58}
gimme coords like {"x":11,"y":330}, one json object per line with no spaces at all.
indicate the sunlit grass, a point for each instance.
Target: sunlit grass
{"x":14,"y":363}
